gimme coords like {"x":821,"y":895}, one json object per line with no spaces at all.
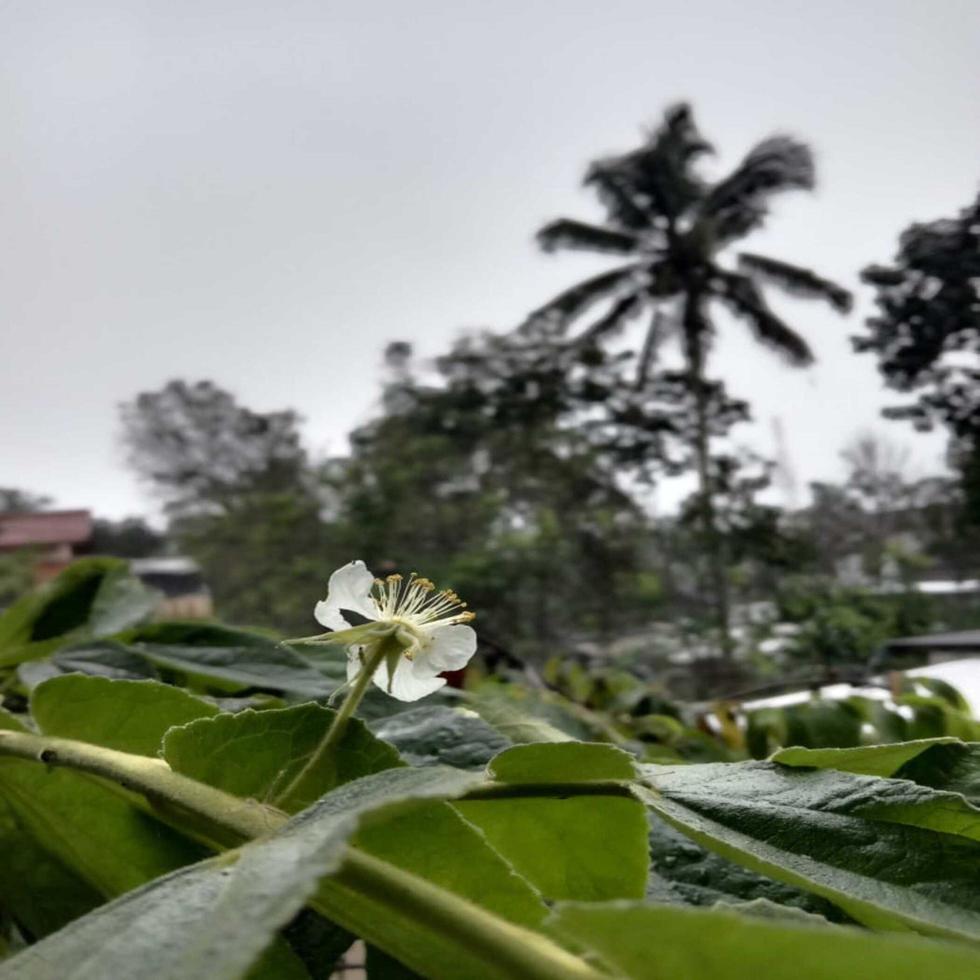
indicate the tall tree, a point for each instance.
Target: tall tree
{"x":486,"y":494}
{"x":926,"y":335}
{"x":673,"y":226}
{"x":200,"y":449}
{"x":240,"y":494}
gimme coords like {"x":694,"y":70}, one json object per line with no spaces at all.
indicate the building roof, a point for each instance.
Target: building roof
{"x":960,"y":640}
{"x":24,"y":530}
{"x":166,"y":565}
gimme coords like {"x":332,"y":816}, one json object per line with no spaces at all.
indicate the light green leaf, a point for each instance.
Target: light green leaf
{"x":256,"y":754}
{"x":661,"y":941}
{"x":871,"y":760}
{"x":835,"y":834}
{"x":584,"y":847}
{"x":572,"y":762}
{"x":131,"y":716}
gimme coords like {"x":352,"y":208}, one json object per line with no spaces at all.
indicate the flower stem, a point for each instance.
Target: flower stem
{"x":293,"y":796}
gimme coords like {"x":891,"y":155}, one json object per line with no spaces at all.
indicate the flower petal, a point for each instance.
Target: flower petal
{"x":349,"y":588}
{"x":448,"y":648}
{"x":354,"y":662}
{"x":406,"y":685}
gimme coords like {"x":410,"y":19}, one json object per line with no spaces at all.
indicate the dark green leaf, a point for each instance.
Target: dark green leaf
{"x":682,"y":871}
{"x":433,"y":735}
{"x":861,"y":842}
{"x":228,"y":658}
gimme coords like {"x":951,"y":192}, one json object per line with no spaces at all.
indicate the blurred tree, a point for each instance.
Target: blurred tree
{"x":131,"y":537}
{"x":241,"y":498}
{"x":13,"y":501}
{"x":199,"y":449}
{"x":673,"y":226}
{"x":524,"y":519}
{"x":926,"y":335}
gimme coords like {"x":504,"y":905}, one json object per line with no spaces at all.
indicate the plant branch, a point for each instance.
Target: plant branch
{"x":218,"y":817}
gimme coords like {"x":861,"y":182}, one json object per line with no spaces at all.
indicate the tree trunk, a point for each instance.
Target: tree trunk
{"x":717,"y":550}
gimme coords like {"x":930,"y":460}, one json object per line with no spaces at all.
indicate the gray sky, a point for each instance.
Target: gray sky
{"x":264,"y":193}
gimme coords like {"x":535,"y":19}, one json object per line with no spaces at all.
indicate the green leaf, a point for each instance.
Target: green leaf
{"x":93,"y":597}
{"x":121,"y":601}
{"x":103,"y":658}
{"x":584,"y":847}
{"x":659,"y":941}
{"x":431,"y":841}
{"x":513,"y":721}
{"x":434,"y":841}
{"x":953,"y":767}
{"x":40,"y":892}
{"x":685,"y":872}
{"x":871,"y":760}
{"x":441,"y":735}
{"x":253,"y":753}
{"x":228,"y":659}
{"x":573,"y":762}
{"x":845,"y":837}
{"x":131,"y":716}
{"x":256,"y":754}
{"x":88,"y":827}
{"x":215,"y":918}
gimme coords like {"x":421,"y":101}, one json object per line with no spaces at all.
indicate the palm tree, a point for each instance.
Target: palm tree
{"x":673,"y":225}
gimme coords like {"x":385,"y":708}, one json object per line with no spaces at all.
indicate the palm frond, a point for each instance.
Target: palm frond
{"x":796,"y":280}
{"x":617,"y":195}
{"x":612,"y":321}
{"x":568,"y":233}
{"x":655,"y":183}
{"x":745,"y":300}
{"x":557,"y":314}
{"x":737,"y":204}
{"x":655,"y":336}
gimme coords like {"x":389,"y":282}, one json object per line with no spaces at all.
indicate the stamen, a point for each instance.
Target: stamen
{"x":415,"y":602}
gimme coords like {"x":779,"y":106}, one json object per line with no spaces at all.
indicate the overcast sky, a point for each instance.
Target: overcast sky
{"x":265,"y":193}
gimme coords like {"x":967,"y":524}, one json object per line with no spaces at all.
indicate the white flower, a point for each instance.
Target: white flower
{"x":428,"y":620}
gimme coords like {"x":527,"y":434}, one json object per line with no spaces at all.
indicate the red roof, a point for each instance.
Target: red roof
{"x":47,"y":527}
